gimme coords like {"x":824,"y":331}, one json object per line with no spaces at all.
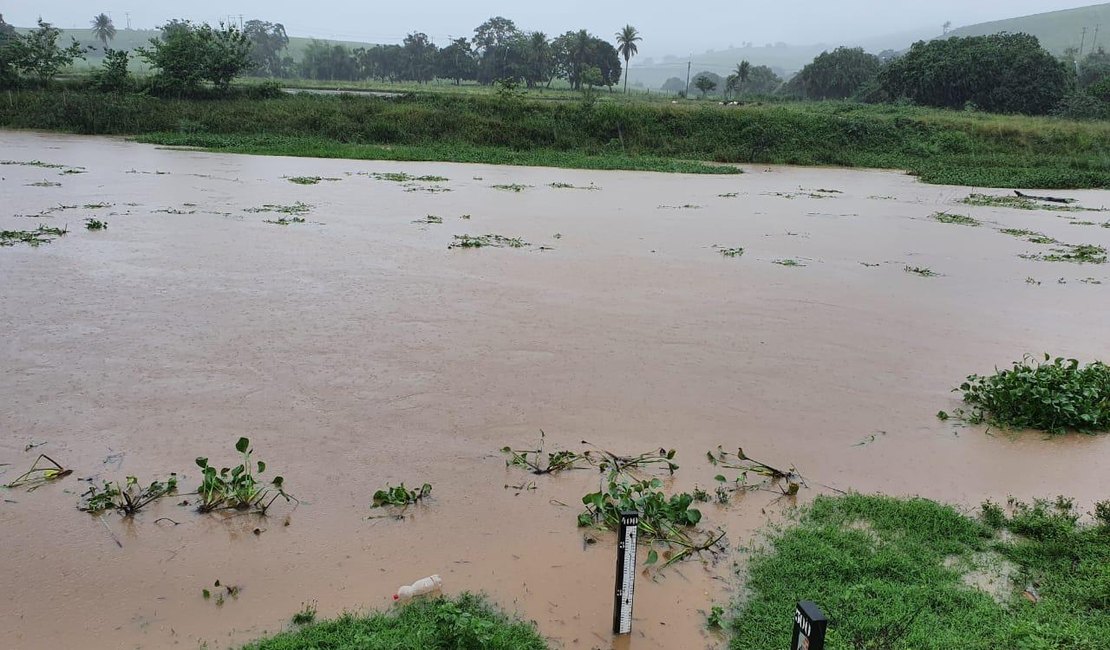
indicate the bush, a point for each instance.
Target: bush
{"x":187,"y":56}
{"x":1002,"y":73}
{"x":113,"y":75}
{"x":1082,"y":106}
{"x":265,"y":90}
{"x":839,"y":74}
{"x":1053,"y":396}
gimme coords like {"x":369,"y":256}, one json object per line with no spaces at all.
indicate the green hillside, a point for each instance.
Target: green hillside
{"x":1057,"y":30}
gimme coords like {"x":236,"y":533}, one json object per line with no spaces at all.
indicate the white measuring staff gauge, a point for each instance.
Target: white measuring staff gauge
{"x":626,"y":572}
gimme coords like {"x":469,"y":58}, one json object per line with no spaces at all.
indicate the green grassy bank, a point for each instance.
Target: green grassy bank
{"x":893,"y":573}
{"x":939,"y":146}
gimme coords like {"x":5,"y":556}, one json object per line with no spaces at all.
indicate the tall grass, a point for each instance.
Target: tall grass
{"x":939,"y":146}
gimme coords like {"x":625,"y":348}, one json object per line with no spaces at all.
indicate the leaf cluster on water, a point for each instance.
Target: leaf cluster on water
{"x":238,"y":487}
{"x":1053,"y":395}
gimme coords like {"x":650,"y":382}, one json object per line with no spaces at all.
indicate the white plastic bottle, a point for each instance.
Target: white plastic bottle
{"x":419,"y":588}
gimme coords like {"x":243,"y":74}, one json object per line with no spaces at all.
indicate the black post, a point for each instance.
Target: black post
{"x":809,"y":627}
{"x":626,"y":572}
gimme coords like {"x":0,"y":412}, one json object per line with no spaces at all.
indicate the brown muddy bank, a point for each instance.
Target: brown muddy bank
{"x":356,"y":349}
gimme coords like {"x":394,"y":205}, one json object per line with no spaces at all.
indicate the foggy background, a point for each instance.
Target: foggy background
{"x":668,"y":28}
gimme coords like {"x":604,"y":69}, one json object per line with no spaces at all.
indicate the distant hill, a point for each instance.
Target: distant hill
{"x":129,"y":39}
{"x":1057,"y":30}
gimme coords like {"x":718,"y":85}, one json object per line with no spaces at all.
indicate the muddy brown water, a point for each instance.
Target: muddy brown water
{"x":356,"y":349}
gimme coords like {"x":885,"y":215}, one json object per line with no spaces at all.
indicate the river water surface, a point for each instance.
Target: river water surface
{"x":356,"y":349}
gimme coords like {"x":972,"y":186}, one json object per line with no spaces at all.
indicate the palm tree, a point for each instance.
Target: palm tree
{"x":103,"y":29}
{"x":743,"y":72}
{"x":626,"y":46}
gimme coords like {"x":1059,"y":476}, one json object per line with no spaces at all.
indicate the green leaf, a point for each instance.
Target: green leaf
{"x":206,"y":594}
{"x":261,"y":467}
{"x":202,"y":462}
{"x":242,"y":445}
{"x":652,"y":557}
{"x":720,"y":478}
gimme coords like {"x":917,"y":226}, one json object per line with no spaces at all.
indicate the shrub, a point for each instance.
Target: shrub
{"x":113,"y":75}
{"x":1053,"y":396}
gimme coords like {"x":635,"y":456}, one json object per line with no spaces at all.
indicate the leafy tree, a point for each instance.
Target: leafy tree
{"x":456,"y":61}
{"x":835,"y":75}
{"x":762,"y":80}
{"x":37,"y":53}
{"x":704,"y":84}
{"x":113,"y":75}
{"x":743,"y":73}
{"x":539,"y":60}
{"x":103,"y":29}
{"x":419,"y":57}
{"x":626,"y":47}
{"x":1094,"y":68}
{"x":1004,"y":73}
{"x":674,"y":85}
{"x":268,"y":43}
{"x":494,"y":40}
{"x":9,"y":74}
{"x":577,"y":51}
{"x":323,"y":60}
{"x":187,"y":55}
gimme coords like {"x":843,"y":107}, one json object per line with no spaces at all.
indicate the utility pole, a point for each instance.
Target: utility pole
{"x":688,"y":63}
{"x":1094,"y":41}
{"x":128,"y":14}
{"x":1082,"y":42}
{"x":240,"y":22}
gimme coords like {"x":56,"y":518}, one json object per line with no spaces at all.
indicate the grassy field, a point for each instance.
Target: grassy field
{"x":958,"y":148}
{"x":893,"y":573}
{"x":464,"y":623}
{"x":1056,"y":30}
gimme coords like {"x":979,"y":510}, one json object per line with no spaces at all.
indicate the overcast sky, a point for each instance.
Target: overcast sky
{"x":668,"y":27}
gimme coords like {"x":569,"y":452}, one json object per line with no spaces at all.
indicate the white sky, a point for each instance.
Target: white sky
{"x":667,"y":27}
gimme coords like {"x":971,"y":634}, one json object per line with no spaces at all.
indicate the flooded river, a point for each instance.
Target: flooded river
{"x":356,"y":349}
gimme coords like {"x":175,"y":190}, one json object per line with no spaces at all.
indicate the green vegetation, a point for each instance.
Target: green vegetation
{"x":511,"y":187}
{"x":284,"y":221}
{"x":297,"y":208}
{"x":481,"y":241}
{"x":306,"y":615}
{"x":959,"y":219}
{"x":787,"y":262}
{"x":1074,"y":253}
{"x":1058,"y":31}
{"x":732,"y":252}
{"x":237,"y":488}
{"x":399,"y":495}
{"x":96,"y":224}
{"x":834,"y":75}
{"x":40,"y":235}
{"x":1018,"y":202}
{"x":128,"y":498}
{"x":468,"y":622}
{"x":1001,"y":73}
{"x":940,"y":146}
{"x":1054,"y":396}
{"x":924,"y":272}
{"x":1029,"y":235}
{"x":911,"y":573}
{"x":185,"y":56}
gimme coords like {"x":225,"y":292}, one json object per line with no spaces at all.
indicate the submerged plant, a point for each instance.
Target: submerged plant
{"x":1029,"y":235}
{"x":297,"y":208}
{"x":732,"y":252}
{"x":44,"y":470}
{"x":511,"y":187}
{"x":1052,"y":395}
{"x":284,"y":221}
{"x":33,"y":238}
{"x":480,"y":241}
{"x":787,"y":262}
{"x":958,"y":219}
{"x":96,"y":224}
{"x":238,"y":488}
{"x":555,"y":462}
{"x":128,"y":498}
{"x":924,"y":272}
{"x":399,"y":495}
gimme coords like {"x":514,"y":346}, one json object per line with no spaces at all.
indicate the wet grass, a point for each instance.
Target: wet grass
{"x":468,"y":622}
{"x":402,"y":177}
{"x":569,"y":186}
{"x":96,"y":224}
{"x":732,"y":252}
{"x":511,"y":187}
{"x":1053,"y":395}
{"x":922,"y":271}
{"x":787,"y":262}
{"x":309,"y":180}
{"x":894,"y":573}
